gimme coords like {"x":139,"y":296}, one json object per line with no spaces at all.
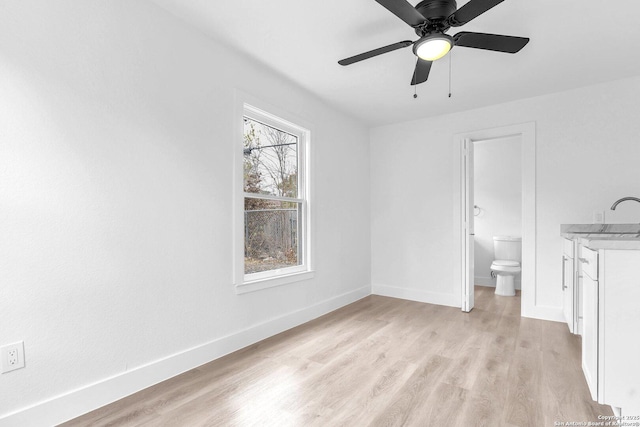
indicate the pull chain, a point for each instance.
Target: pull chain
{"x":415,"y":86}
{"x":450,"y":55}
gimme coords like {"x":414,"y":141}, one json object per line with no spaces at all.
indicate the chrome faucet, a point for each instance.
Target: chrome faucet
{"x":624,"y":199}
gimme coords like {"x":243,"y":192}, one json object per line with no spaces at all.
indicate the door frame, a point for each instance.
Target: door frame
{"x":527,"y":133}
{"x":468,"y":221}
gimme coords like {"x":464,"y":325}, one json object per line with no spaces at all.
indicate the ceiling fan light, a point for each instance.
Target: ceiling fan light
{"x":433,"y":46}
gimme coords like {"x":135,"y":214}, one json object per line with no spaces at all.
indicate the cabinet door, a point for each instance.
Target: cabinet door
{"x":619,"y":379}
{"x":590,"y":333}
{"x":567,"y":292}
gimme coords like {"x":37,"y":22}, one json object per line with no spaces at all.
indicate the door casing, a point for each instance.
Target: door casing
{"x":527,"y":133}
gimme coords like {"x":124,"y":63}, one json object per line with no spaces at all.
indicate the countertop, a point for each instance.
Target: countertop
{"x":604,"y":236}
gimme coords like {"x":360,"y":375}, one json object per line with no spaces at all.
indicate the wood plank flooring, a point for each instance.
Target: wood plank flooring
{"x":381,"y":362}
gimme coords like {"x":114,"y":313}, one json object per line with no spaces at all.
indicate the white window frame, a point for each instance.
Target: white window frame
{"x":256,"y":281}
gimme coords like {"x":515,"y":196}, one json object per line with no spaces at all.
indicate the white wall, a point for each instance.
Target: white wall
{"x":498,"y":195}
{"x":587,"y":155}
{"x":116,"y":155}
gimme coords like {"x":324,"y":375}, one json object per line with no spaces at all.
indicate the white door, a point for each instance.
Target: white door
{"x":468,"y":236}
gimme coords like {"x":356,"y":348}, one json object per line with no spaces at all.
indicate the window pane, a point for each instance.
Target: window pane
{"x":271,"y":230}
{"x":270,"y":160}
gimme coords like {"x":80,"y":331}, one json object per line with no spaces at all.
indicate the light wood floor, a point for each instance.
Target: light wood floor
{"x":381,"y":362}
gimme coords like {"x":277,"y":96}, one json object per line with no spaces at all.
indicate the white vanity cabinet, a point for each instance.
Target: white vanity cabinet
{"x":611,"y":325}
{"x":589,"y":259}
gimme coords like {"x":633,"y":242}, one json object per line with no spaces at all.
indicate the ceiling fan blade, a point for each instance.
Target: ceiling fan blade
{"x":421,"y":73}
{"x":495,"y":42}
{"x":470,"y":11}
{"x":403,"y":10}
{"x":375,"y":52}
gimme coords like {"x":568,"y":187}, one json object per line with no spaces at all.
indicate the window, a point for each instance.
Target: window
{"x":274,"y":195}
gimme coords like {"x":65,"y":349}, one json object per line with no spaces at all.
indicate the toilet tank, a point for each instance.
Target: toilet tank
{"x":507,"y":248}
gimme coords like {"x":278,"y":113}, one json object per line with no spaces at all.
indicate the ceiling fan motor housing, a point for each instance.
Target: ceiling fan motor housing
{"x":435,"y":10}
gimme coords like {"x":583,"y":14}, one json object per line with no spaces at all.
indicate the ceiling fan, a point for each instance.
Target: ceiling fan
{"x":431,"y":19}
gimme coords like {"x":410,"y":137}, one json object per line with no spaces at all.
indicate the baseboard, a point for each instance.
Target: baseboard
{"x":484,"y":281}
{"x":78,"y":402}
{"x":491,"y":283}
{"x":450,"y":300}
{"x":553,"y":314}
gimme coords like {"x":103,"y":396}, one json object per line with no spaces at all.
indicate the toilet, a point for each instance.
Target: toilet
{"x":506,"y":266}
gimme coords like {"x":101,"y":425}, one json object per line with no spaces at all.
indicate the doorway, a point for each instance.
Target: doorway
{"x":497,"y":202}
{"x":463,"y":213}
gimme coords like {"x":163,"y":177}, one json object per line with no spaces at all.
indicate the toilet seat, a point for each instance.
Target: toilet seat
{"x":505,"y":266}
{"x":506,"y":263}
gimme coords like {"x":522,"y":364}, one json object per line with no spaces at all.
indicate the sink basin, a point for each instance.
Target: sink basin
{"x":602,"y":230}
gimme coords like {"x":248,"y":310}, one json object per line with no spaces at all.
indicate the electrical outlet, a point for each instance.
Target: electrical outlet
{"x":598,"y":217}
{"x":12,"y":357}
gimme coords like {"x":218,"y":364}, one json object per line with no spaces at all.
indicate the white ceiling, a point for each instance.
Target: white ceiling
{"x":304,"y":39}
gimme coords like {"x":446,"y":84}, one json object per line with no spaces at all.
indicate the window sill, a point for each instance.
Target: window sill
{"x":272,"y":282}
